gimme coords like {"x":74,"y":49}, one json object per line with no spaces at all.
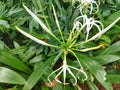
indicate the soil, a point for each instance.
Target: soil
{"x":85,"y":87}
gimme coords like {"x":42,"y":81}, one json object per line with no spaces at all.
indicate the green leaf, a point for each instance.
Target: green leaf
{"x":4,"y":23}
{"x":12,"y":61}
{"x":58,"y":87}
{"x":1,"y":88}
{"x":66,"y":0}
{"x":92,"y":86}
{"x":112,"y":49}
{"x":106,"y":38}
{"x":36,"y":75}
{"x":114,"y":78}
{"x":114,"y":71}
{"x":105,"y":59}
{"x":11,"y":77}
{"x":38,"y":58}
{"x":44,"y":88}
{"x":96,"y":69}
{"x":112,"y":17}
{"x":3,"y":46}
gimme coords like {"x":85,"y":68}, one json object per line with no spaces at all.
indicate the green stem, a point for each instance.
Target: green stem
{"x":76,"y":58}
{"x":87,"y":49}
{"x":60,"y":31}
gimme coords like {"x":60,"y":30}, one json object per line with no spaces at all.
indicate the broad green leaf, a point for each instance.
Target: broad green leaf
{"x":106,"y":38}
{"x":38,"y":58}
{"x":36,"y":75}
{"x":44,"y":88}
{"x":4,"y":23}
{"x":14,"y":10}
{"x":12,"y":61}
{"x":112,"y":17}
{"x":105,"y":59}
{"x":112,"y":49}
{"x":58,"y":4}
{"x":67,"y":87}
{"x":114,"y":78}
{"x":113,"y":71}
{"x":96,"y":69}
{"x":28,"y":54}
{"x":3,"y":46}
{"x":58,"y":87}
{"x":92,"y":86}
{"x":11,"y":77}
{"x":1,"y":88}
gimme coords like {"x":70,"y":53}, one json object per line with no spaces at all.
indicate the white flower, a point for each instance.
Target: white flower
{"x":88,"y":23}
{"x":89,"y":5}
{"x":64,"y":69}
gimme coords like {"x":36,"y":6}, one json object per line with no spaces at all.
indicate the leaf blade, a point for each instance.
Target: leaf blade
{"x":11,"y":77}
{"x":36,"y":75}
{"x":105,"y":59}
{"x":12,"y":61}
{"x":96,"y":69}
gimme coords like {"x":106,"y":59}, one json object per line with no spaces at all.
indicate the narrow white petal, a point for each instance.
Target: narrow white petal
{"x":58,"y":76}
{"x":40,"y":22}
{"x":86,"y":77}
{"x":37,"y":19}
{"x":33,"y":38}
{"x":52,"y":74}
{"x":70,"y":72}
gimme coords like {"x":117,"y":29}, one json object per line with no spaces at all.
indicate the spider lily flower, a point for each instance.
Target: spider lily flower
{"x":104,"y":30}
{"x":100,"y":33}
{"x":77,"y":26}
{"x":88,"y":23}
{"x":87,"y":5}
{"x":64,"y":69}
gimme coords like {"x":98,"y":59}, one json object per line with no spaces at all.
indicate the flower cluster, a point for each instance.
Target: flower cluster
{"x":88,"y":23}
{"x":82,"y":22}
{"x":63,"y":69}
{"x":86,"y":5}
{"x":79,"y":24}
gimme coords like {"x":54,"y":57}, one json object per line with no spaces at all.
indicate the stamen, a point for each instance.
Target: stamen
{"x":86,"y":5}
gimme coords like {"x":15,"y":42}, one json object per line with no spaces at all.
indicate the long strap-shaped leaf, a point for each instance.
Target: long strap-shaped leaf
{"x":35,"y":39}
{"x":11,"y":77}
{"x":13,"y":62}
{"x":40,"y":22}
{"x":36,"y":75}
{"x":96,"y":69}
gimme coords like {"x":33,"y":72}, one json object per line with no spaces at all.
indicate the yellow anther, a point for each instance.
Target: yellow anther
{"x":102,"y":45}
